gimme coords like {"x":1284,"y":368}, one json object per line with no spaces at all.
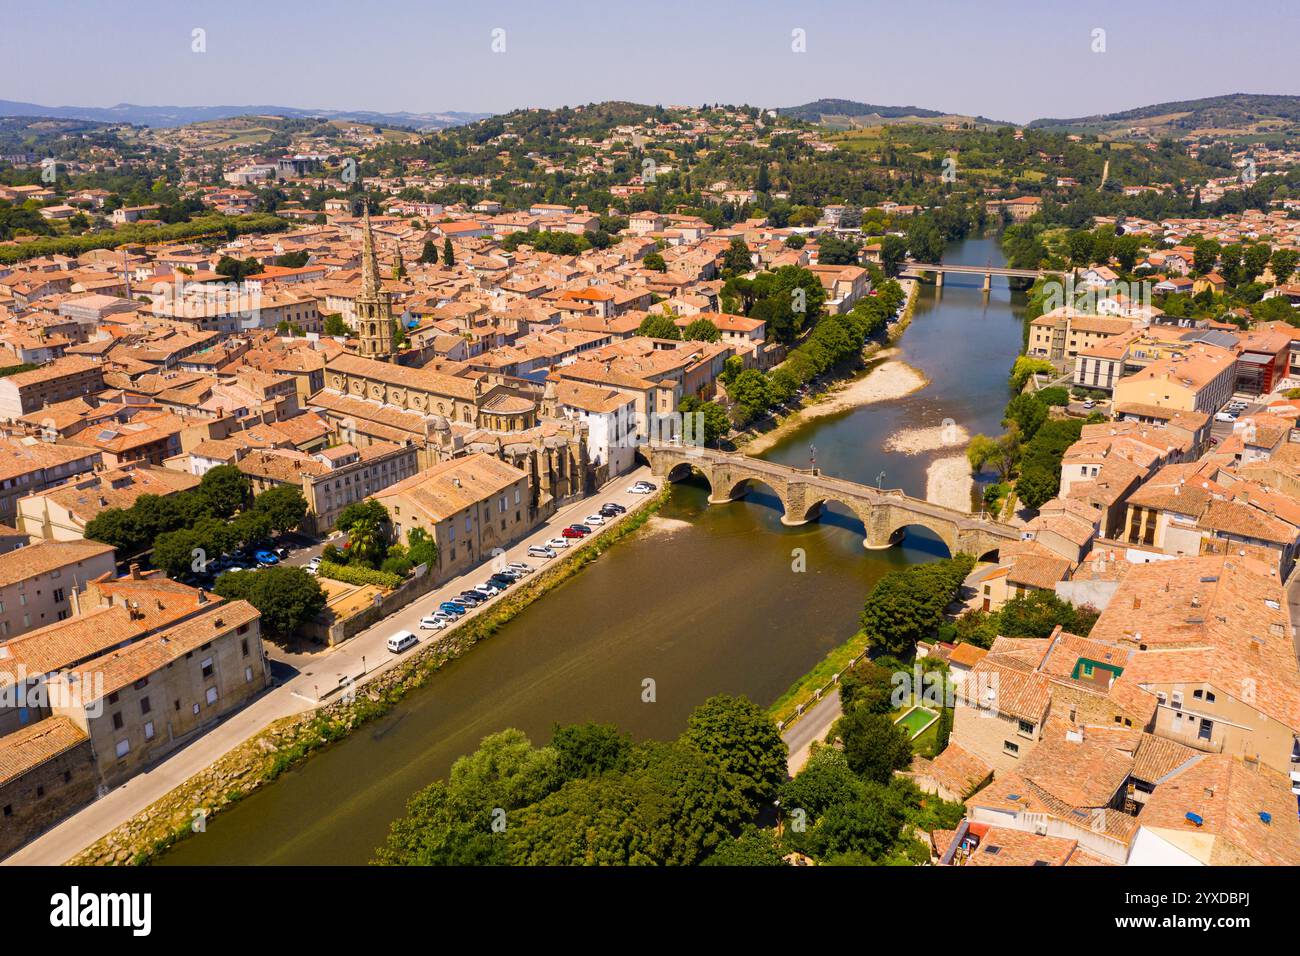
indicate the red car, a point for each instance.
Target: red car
{"x":571,"y":533}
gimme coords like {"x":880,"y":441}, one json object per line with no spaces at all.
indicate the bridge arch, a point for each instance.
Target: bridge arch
{"x":898,"y":524}
{"x":741,"y":488}
{"x":814,"y":510}
{"x":683,"y":471}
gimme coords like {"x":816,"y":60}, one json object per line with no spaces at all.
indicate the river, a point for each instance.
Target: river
{"x":703,"y":601}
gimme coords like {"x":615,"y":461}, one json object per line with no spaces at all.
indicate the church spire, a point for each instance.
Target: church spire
{"x":369,"y":260}
{"x":374,"y":303}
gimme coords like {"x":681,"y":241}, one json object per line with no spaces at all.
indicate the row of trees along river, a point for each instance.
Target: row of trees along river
{"x":703,"y":601}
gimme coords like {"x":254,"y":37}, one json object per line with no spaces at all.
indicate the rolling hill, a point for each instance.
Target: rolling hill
{"x":1240,"y":112}
{"x":849,"y":114}
{"x":172,"y":116}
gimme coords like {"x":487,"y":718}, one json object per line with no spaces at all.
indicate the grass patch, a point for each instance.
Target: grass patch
{"x":801,"y":691}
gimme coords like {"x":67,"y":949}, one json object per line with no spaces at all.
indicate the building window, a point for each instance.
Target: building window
{"x":148,"y":730}
{"x":206,"y":666}
{"x":212,"y":695}
{"x":117,"y":720}
{"x":248,"y":675}
{"x":144,"y":705}
{"x":1026,"y":727}
{"x":123,"y":748}
{"x":243,"y":647}
{"x":1009,"y":748}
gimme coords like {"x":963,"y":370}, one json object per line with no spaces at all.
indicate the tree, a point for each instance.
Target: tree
{"x":867,"y":684}
{"x":590,"y":749}
{"x":752,"y":395}
{"x":1038,"y":613}
{"x":366,"y":542}
{"x":448,"y":254}
{"x":874,"y":746}
{"x":336,"y":326}
{"x":429,"y":254}
{"x":824,"y":781}
{"x":737,"y":259}
{"x":701,"y":330}
{"x":655,"y":262}
{"x":120,"y":528}
{"x":908,"y":604}
{"x":367,"y":508}
{"x":1284,"y":263}
{"x":657,"y":326}
{"x":753,"y":847}
{"x":743,"y":740}
{"x":287,"y":597}
{"x":1027,"y":412}
{"x":716,"y":422}
{"x":284,"y":506}
{"x":225,"y":489}
{"x":999,"y":452}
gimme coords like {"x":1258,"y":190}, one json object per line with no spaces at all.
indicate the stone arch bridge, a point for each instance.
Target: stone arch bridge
{"x":803,"y":492}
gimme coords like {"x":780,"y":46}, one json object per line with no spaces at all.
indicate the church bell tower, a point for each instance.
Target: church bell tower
{"x":374,"y":306}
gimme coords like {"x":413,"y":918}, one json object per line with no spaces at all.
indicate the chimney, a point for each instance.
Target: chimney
{"x":135,"y":572}
{"x":203,"y":596}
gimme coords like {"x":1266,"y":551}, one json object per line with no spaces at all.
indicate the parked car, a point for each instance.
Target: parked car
{"x":266,"y":558}
{"x":559,"y":542}
{"x":580,"y":527}
{"x":504,"y":578}
{"x":401,"y":641}
{"x":1090,"y":404}
{"x":571,"y":533}
{"x":613,"y":506}
{"x":1225,"y":417}
{"x":314,"y":562}
{"x":452,"y":608}
{"x":488,"y":588}
{"x":641,"y":488}
{"x":468,"y":600}
{"x":521,"y":567}
{"x":481,"y":596}
{"x":431,"y":623}
{"x":540,"y":551}
{"x":594,"y":519}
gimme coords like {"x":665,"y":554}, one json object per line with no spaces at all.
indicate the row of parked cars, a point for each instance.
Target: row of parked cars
{"x":264,"y":554}
{"x":576,"y":532}
{"x":449,"y":611}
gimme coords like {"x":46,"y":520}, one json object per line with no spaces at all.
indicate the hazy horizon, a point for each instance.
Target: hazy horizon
{"x":1011,"y":60}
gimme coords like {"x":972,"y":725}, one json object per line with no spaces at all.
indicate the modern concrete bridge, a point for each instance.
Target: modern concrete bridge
{"x":911,"y":268}
{"x":884,"y":513}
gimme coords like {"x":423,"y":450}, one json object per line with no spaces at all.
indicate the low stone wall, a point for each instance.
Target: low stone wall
{"x":287,"y":742}
{"x":393,"y":601}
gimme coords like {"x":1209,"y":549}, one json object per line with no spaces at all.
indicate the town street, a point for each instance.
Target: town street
{"x":812,"y":726}
{"x":306,"y":680}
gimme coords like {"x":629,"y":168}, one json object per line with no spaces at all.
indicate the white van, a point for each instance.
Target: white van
{"x":402,"y":641}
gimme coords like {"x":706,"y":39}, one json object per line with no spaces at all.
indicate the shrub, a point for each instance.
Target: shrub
{"x":351,"y":574}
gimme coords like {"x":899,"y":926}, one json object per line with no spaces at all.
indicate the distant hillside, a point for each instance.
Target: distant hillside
{"x":171,"y":116}
{"x":1252,"y":112}
{"x":849,"y":114}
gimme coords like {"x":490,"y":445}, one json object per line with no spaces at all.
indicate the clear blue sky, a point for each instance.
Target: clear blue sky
{"x":1008,"y":59}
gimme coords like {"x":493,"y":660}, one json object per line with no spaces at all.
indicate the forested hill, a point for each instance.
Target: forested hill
{"x":1231,"y":111}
